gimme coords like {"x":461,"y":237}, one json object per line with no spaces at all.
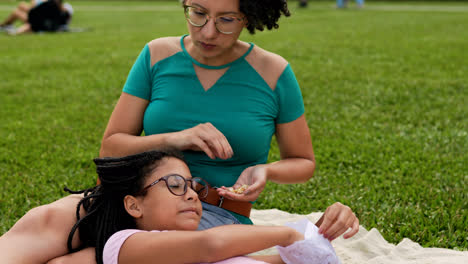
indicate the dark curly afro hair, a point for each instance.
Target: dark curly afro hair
{"x":263,"y":13}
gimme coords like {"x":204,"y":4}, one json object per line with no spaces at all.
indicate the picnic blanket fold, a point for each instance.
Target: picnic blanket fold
{"x":367,"y":246}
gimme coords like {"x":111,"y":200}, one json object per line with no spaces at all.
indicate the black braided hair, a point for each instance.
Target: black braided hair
{"x":105,"y":211}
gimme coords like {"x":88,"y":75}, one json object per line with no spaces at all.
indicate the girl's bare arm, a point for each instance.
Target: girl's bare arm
{"x":204,"y":246}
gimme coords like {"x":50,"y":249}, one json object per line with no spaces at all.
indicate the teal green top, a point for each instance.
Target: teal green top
{"x":240,"y":104}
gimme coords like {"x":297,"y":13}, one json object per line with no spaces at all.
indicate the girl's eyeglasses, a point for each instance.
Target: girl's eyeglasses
{"x":177,"y":185}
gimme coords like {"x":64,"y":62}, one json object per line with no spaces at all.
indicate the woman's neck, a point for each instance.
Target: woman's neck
{"x":228,"y":55}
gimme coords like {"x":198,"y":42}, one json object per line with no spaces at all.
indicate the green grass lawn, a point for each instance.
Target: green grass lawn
{"x":385,"y":90}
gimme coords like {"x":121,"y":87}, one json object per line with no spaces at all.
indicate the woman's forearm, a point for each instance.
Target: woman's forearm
{"x":297,"y":162}
{"x":121,"y":144}
{"x":290,"y":170}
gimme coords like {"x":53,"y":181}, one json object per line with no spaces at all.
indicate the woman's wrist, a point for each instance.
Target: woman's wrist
{"x":266,"y":170}
{"x":172,"y":140}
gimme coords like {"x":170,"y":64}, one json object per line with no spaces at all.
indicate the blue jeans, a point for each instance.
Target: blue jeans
{"x":214,"y":216}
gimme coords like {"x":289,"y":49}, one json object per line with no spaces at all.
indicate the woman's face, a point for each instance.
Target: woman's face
{"x":162,"y":210}
{"x":208,"y":42}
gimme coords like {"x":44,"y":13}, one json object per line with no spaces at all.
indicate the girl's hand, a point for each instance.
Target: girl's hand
{"x":255,"y":177}
{"x":203,"y":137}
{"x":336,"y":220}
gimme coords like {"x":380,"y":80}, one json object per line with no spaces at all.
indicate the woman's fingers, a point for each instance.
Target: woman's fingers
{"x":340,"y":231}
{"x":256,"y":188}
{"x":254,"y":177}
{"x":203,"y":137}
{"x":222,"y":140}
{"x":353,"y":230}
{"x":342,"y":228}
{"x":217,"y":142}
{"x":247,"y":195}
{"x":338,"y":224}
{"x":204,"y":147}
{"x":328,"y":220}
{"x":353,"y":223}
{"x":233,"y":196}
{"x":237,"y":197}
{"x":337,"y":219}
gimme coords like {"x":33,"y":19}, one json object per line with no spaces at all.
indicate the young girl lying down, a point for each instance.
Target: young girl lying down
{"x":147,"y":210}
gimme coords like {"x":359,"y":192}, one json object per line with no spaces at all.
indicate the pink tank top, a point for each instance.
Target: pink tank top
{"x":115,"y":242}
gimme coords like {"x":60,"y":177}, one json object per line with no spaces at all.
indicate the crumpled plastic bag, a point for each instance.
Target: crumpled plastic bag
{"x":314,"y":249}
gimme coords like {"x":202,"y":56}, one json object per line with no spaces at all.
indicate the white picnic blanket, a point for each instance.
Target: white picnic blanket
{"x":367,"y":247}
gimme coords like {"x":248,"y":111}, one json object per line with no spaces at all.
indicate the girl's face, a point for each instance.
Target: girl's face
{"x":162,"y":210}
{"x":208,"y":42}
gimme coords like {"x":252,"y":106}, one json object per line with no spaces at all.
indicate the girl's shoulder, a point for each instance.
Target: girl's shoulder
{"x":162,"y":48}
{"x":268,"y":64}
{"x":114,"y":243}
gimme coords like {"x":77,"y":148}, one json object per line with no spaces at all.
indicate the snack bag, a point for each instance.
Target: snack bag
{"x":314,"y":249}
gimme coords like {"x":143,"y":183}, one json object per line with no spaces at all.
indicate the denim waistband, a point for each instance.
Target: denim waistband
{"x":214,"y":216}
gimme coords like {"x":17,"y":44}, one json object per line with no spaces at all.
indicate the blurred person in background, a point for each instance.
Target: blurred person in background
{"x":38,"y":16}
{"x":344,"y":3}
{"x":302,"y":3}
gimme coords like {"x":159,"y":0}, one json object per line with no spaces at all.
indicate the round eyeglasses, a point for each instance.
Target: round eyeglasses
{"x":226,"y":24}
{"x":177,"y":185}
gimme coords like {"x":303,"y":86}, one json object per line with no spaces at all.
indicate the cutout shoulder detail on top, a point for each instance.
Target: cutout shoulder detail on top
{"x":269,"y":65}
{"x":208,"y":78}
{"x":162,"y":48}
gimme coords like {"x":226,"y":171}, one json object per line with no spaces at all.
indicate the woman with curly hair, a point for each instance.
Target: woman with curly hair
{"x":218,"y":99}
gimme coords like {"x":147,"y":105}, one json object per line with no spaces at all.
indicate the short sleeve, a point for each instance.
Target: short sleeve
{"x":291,"y":104}
{"x":110,"y":254}
{"x":139,"y":79}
